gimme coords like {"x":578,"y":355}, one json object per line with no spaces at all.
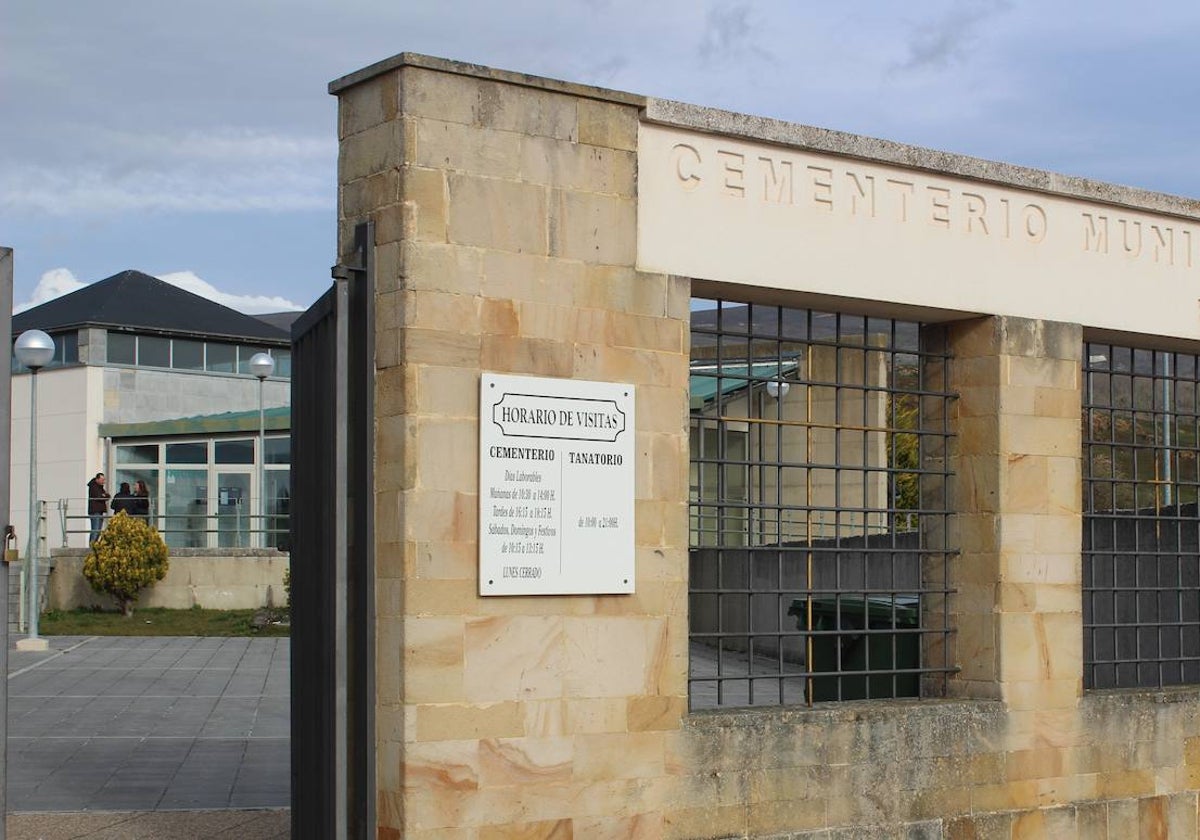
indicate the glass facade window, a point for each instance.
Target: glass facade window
{"x":135,"y":349}
{"x":220,"y":358}
{"x":187,"y":453}
{"x":206,"y":493}
{"x":138,"y":453}
{"x":245,"y":354}
{"x":153,"y":351}
{"x":283,"y":363}
{"x":234,"y":452}
{"x":187,"y":355}
{"x":66,"y":348}
{"x":122,"y":348}
{"x":279,"y":450}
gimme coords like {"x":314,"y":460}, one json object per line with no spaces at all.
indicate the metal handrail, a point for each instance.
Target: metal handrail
{"x":269,"y":525}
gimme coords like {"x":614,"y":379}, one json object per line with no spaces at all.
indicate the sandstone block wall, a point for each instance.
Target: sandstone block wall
{"x":1019,"y":522}
{"x":506,"y":227}
{"x":505,"y":210}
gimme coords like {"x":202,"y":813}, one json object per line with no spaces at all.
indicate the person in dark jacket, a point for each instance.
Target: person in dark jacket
{"x":124,"y":501}
{"x":141,"y":500}
{"x":97,"y":505}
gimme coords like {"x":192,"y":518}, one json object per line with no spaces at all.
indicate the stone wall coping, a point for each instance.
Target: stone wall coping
{"x":674,"y":114}
{"x":214,"y":553}
{"x":479,"y":71}
{"x":846,"y":711}
{"x":1141,"y":696}
{"x":867,"y":711}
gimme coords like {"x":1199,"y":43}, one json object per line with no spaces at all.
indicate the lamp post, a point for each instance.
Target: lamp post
{"x":34,"y":349}
{"x":262,"y":366}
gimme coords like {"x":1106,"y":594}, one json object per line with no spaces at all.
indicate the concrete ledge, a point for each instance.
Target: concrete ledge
{"x":479,"y":71}
{"x":843,"y":711}
{"x":222,"y":579}
{"x":1130,"y":700}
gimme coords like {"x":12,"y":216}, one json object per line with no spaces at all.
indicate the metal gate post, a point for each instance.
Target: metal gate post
{"x":354,"y":596}
{"x":333,"y":600}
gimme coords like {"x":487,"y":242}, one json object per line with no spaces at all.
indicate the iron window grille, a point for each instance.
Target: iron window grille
{"x":819,"y":561}
{"x":1141,"y":527}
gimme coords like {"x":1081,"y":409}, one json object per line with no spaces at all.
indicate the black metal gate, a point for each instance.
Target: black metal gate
{"x":332,"y":597}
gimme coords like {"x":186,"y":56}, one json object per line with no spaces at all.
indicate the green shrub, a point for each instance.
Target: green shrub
{"x":129,"y":556}
{"x":287,"y":586}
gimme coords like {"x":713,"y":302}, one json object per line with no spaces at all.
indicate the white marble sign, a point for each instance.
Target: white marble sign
{"x":555,"y":486}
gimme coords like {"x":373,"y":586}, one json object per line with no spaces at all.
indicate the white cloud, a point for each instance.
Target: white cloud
{"x":54,"y":283}
{"x":250,"y":304}
{"x":60,"y":281}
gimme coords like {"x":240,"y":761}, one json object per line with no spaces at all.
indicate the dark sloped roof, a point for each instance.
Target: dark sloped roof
{"x":137,"y":301}
{"x":283,"y":320}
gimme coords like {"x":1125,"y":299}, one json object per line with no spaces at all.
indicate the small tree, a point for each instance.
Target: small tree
{"x":129,"y":556}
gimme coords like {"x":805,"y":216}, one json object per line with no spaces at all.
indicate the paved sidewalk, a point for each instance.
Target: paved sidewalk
{"x":159,"y":825}
{"x":129,"y":724}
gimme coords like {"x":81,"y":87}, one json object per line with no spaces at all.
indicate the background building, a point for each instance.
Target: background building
{"x":151,"y":382}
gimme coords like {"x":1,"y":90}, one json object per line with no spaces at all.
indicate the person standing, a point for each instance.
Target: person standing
{"x":97,"y":505}
{"x":141,"y":500}
{"x":124,"y":501}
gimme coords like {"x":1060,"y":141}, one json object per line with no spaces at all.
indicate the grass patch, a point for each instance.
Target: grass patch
{"x":158,"y":621}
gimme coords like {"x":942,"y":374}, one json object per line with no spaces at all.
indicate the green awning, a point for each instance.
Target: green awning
{"x":709,"y":379}
{"x":274,"y":420}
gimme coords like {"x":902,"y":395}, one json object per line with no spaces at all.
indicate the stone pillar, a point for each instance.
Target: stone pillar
{"x":1019,"y":607}
{"x":93,"y":346}
{"x":506,"y":222}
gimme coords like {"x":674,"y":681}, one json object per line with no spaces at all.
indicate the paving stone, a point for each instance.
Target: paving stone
{"x":143,"y":724}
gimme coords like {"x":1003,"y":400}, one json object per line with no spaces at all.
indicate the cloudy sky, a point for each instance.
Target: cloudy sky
{"x":195,"y":141}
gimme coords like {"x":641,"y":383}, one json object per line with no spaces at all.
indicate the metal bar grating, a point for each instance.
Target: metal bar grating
{"x":1141,"y":527}
{"x":819,"y":563}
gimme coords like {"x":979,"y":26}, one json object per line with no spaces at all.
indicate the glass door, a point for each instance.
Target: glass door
{"x":234,"y":513}
{"x":185,"y":508}
{"x":279,"y":498}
